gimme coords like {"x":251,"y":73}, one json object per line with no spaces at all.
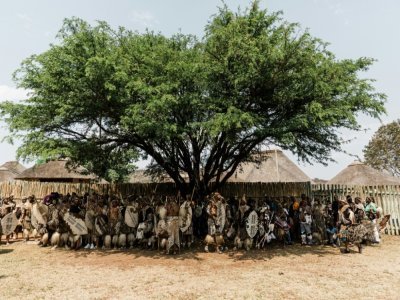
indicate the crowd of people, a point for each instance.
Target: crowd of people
{"x":93,"y":221}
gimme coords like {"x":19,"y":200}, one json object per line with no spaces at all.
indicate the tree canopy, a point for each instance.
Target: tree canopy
{"x":383,"y":150}
{"x":197,"y":107}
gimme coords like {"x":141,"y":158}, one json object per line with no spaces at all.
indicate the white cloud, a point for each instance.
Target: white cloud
{"x":143,"y":19}
{"x":24,"y":17}
{"x":336,"y":8}
{"x":12,"y":94}
{"x":26,"y":20}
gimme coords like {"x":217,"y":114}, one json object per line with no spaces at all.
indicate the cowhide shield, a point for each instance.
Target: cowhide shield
{"x":140,"y":231}
{"x":100,"y":225}
{"x":383,"y":222}
{"x":185,"y":216}
{"x":252,"y":224}
{"x":40,"y":212}
{"x":8,"y":223}
{"x":89,"y":219}
{"x":77,"y":226}
{"x":131,"y":216}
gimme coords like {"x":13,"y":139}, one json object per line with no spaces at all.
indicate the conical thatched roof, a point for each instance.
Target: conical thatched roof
{"x":9,"y":170}
{"x":274,"y":167}
{"x":54,"y":171}
{"x":13,"y":166}
{"x":358,"y":173}
{"x":6,"y":175}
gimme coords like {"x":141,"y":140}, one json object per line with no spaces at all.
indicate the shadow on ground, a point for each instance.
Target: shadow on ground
{"x":5,"y":251}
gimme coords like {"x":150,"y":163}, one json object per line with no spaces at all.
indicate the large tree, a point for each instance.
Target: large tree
{"x":383,"y":150}
{"x":196,"y":106}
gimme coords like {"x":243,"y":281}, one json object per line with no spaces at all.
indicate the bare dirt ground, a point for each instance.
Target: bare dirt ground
{"x":317,"y":272}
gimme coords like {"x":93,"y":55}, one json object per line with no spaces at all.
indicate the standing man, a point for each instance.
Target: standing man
{"x":305,"y":223}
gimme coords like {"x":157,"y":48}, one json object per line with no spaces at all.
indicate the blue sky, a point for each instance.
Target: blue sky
{"x":354,"y":28}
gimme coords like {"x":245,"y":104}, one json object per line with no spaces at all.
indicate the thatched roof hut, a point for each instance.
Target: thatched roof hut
{"x":274,"y":166}
{"x":55,"y":171}
{"x":358,"y":173}
{"x":10,"y":169}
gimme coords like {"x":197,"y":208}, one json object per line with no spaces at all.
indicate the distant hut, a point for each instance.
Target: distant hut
{"x":358,"y":173}
{"x":10,"y":170}
{"x":274,"y":166}
{"x":143,"y":176}
{"x":139,"y":176}
{"x":55,"y":171}
{"x":319,"y":181}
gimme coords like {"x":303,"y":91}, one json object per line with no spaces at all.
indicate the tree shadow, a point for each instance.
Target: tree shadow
{"x":273,"y":251}
{"x":136,"y":253}
{"x":5,"y":251}
{"x":197,"y":252}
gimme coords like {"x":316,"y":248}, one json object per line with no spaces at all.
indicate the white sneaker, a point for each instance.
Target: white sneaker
{"x":87,"y":246}
{"x":92,"y":247}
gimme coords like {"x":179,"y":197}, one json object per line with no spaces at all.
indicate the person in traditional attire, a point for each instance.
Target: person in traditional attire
{"x":76,"y":210}
{"x":216,"y":222}
{"x":18,"y":212}
{"x":305,"y":223}
{"x":26,"y":217}
{"x":6,"y":208}
{"x":90,"y":222}
{"x":294,"y":218}
{"x":266,"y":226}
{"x":101,"y":222}
{"x":186,"y":222}
{"x":371,"y":212}
{"x":173,"y":226}
{"x":53,"y":220}
{"x":199,"y":219}
{"x":114,"y":221}
{"x":318,"y":211}
{"x":332,"y":233}
{"x":359,"y":212}
{"x":346,"y":220}
{"x":335,"y":210}
{"x":162,"y":227}
{"x":242,"y":238}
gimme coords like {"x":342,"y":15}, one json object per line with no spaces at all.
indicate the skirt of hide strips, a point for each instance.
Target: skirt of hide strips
{"x":27,"y":225}
{"x":355,"y":233}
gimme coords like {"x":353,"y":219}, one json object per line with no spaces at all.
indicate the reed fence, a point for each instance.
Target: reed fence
{"x":387,"y":197}
{"x":20,"y":189}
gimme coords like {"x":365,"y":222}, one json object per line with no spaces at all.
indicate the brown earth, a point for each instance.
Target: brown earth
{"x":296,"y":272}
